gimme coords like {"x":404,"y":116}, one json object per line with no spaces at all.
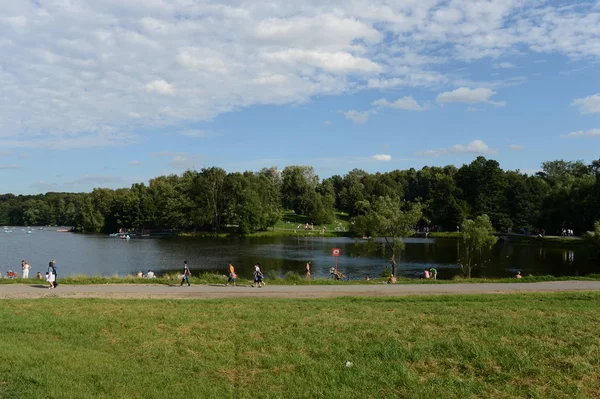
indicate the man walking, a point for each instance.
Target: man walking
{"x":186,"y":274}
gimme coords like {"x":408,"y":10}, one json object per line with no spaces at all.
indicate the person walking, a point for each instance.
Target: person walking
{"x":186,"y":274}
{"x":232,"y":276}
{"x":53,"y":270}
{"x":258,"y":276}
{"x":308,"y":270}
{"x":25,"y":267}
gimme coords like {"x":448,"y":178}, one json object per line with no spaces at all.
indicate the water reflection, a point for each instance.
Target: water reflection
{"x":100,"y":255}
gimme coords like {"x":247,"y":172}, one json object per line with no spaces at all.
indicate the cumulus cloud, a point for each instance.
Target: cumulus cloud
{"x":406,"y":103}
{"x":382,"y":157}
{"x":76,"y":67}
{"x":477,"y":147}
{"x":588,"y":105}
{"x":583,"y":133}
{"x":469,"y":96}
{"x":358,"y":117}
{"x":161,"y":87}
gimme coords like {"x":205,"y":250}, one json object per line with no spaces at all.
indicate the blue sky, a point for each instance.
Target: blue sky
{"x":105,"y":94}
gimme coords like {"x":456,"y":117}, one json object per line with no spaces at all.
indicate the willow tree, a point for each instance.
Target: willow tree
{"x":390,"y":220}
{"x":478,"y":239}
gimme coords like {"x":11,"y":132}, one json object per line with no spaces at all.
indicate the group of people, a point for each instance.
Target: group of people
{"x":26,"y":268}
{"x":258,"y":276}
{"x":566,"y":233}
{"x":141,"y":274}
{"x":430,"y":273}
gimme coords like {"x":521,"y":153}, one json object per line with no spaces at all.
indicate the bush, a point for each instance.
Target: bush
{"x":293,"y":276}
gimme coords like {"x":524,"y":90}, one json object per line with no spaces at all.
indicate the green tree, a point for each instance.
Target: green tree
{"x":389,"y":219}
{"x":478,"y":238}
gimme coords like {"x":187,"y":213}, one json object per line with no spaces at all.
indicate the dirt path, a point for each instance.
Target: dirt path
{"x":14,"y":291}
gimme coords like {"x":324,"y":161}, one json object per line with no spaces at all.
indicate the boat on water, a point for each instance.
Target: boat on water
{"x":63,"y":230}
{"x":122,"y":235}
{"x":30,"y":232}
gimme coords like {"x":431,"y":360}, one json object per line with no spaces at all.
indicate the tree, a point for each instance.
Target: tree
{"x":477,"y":239}
{"x":298,"y":187}
{"x":390,"y":219}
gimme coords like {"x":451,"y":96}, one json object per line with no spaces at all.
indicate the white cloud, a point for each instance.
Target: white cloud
{"x":327,"y":123}
{"x":130,"y":65}
{"x":469,"y":96}
{"x":382,"y":157}
{"x":584,"y":133}
{"x":588,"y":105}
{"x":134,"y":163}
{"x":504,"y":65}
{"x":406,"y":103}
{"x":516,"y":147}
{"x":477,"y":147}
{"x":338,"y":62}
{"x":357,"y":117}
{"x":161,"y":87}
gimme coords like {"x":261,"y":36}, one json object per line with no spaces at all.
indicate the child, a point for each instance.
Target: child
{"x":50,"y":279}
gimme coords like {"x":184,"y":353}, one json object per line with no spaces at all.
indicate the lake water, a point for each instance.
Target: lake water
{"x":79,"y":254}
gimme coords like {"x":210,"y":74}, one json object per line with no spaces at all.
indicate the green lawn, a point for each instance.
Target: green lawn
{"x":291,"y":221}
{"x":494,"y":346}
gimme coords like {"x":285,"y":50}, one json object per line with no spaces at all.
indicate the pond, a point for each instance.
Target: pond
{"x":93,"y":255}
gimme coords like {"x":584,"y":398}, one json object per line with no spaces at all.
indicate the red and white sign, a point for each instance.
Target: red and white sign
{"x":336,"y":252}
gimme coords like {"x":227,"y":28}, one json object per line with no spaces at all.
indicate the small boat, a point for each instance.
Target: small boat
{"x":8,"y":231}
{"x":62,"y":231}
{"x":30,"y":232}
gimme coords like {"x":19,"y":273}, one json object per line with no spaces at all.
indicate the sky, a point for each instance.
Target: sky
{"x":109,"y":93}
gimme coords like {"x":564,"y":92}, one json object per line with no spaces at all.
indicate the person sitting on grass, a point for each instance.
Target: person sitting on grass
{"x":140,"y":274}
{"x":39,"y":276}
{"x":150,"y":274}
{"x":426,"y":274}
{"x":518,"y":275}
{"x":433,"y":273}
{"x":11,"y":275}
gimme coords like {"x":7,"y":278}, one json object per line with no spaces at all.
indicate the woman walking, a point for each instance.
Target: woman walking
{"x":232,"y":276}
{"x":186,"y":274}
{"x":308,"y":270}
{"x":52,"y":270}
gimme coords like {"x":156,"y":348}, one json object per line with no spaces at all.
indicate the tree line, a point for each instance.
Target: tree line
{"x":563,"y":194}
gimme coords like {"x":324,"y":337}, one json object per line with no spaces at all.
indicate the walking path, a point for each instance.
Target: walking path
{"x":282,"y":291}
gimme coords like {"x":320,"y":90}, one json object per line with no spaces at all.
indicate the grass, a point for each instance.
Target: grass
{"x":290,"y":279}
{"x":492,"y":346}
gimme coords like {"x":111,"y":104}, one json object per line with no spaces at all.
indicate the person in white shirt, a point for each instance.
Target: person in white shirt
{"x":25,"y":267}
{"x":50,"y":279}
{"x":150,"y":274}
